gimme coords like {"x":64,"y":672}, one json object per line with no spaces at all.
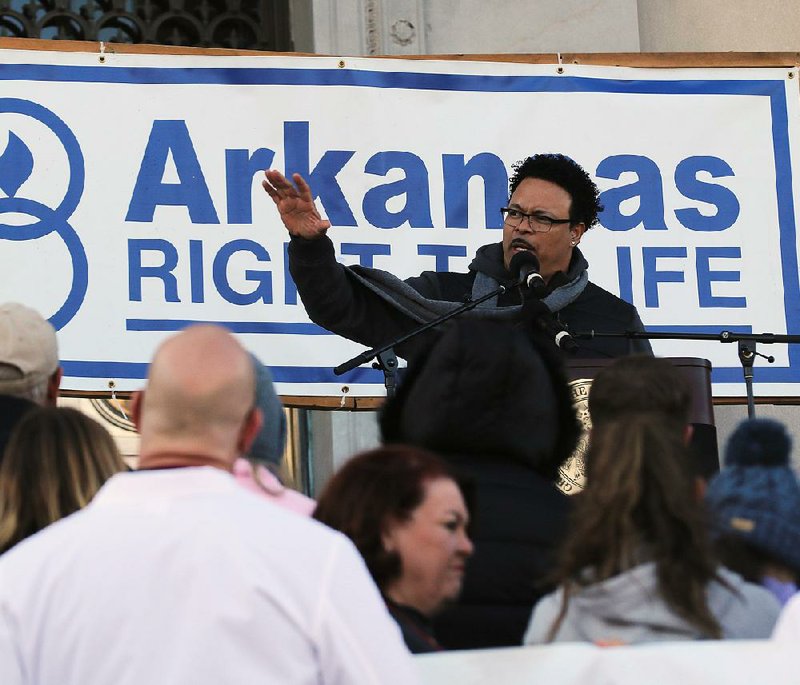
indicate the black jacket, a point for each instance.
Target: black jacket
{"x":337,"y":301}
{"x":417,"y":629}
{"x":502,"y":417}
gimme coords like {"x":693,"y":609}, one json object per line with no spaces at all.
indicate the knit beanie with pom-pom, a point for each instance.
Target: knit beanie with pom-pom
{"x":756,"y":496}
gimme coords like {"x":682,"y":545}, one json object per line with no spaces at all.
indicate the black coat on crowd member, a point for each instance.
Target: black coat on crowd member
{"x":495,"y":404}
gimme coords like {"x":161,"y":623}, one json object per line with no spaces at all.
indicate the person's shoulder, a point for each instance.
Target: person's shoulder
{"x":508,"y":475}
{"x":267,"y":532}
{"x":788,"y":625}
{"x":34,"y":553}
{"x":443,"y":285}
{"x":744,"y":610}
{"x":603,"y":302}
{"x":761,"y":600}
{"x":594,"y":292}
{"x":542,"y":618}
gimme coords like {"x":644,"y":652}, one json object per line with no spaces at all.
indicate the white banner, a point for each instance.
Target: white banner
{"x":707,"y":662}
{"x":130,"y":199}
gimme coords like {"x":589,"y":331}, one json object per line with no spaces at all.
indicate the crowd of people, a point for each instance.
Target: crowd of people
{"x":451,"y":535}
{"x":201,"y":566}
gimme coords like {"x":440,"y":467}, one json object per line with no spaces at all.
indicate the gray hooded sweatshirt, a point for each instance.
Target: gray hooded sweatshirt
{"x":628,"y":609}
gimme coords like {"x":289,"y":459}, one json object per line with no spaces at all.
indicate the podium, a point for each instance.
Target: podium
{"x":696,"y":372}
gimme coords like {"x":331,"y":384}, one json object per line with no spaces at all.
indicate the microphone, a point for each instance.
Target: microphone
{"x":564,"y":340}
{"x":525,"y":267}
{"x":544,"y":321}
{"x":556,"y":331}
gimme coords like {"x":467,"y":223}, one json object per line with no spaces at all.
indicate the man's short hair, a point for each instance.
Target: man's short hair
{"x":569,"y":175}
{"x":28,"y":352}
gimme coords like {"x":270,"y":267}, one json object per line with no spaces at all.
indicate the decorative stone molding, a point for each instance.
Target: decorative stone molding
{"x":404,"y":27}
{"x":369,"y":27}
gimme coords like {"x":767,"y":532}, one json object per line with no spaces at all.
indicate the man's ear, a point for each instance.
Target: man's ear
{"x":577,"y":231}
{"x":136,"y":409}
{"x":53,"y":384}
{"x":249,"y":430}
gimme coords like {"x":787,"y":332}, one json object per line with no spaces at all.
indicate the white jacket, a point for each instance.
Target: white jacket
{"x":181,"y":576}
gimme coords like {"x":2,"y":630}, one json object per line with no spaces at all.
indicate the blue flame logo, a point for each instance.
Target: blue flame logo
{"x":16,"y":166}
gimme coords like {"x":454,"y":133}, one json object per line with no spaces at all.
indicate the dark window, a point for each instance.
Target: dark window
{"x":237,"y":24}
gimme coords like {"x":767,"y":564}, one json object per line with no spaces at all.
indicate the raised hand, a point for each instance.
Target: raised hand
{"x":295,"y":205}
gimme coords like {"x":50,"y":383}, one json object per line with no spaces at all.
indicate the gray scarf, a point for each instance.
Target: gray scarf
{"x":421,"y":309}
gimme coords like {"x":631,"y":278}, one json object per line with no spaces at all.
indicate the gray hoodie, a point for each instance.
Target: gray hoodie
{"x":628,"y":609}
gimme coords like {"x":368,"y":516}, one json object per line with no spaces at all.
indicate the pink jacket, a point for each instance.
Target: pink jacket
{"x":271,"y":488}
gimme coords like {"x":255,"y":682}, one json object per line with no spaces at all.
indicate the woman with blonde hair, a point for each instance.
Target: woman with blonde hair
{"x":636,"y":565}
{"x":55,"y":461}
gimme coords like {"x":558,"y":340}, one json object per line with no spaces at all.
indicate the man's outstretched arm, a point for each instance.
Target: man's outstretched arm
{"x":332,"y":298}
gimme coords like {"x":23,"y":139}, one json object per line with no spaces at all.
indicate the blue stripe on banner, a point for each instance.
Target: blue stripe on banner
{"x":761,"y":374}
{"x":367,"y":376}
{"x":323,"y":374}
{"x":254,"y":76}
{"x":786,"y":222}
{"x":76,"y":369}
{"x":280,"y":374}
{"x":265,"y":327}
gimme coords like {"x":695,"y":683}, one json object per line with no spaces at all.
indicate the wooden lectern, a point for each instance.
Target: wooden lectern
{"x":697,"y":373}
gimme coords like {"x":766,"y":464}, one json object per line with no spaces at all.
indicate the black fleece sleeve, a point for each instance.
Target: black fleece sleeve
{"x":338,"y":302}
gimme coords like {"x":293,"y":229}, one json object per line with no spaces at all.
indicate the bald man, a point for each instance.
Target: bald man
{"x":199,"y":405}
{"x":175,"y":574}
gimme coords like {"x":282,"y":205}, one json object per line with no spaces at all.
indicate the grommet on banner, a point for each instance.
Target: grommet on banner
{"x":112,"y":386}
{"x":341,"y":64}
{"x":345,"y":390}
{"x":102,"y":51}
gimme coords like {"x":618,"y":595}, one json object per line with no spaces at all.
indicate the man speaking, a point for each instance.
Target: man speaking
{"x":552,"y":204}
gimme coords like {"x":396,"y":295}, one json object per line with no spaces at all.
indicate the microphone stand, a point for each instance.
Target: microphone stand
{"x":386,"y":358}
{"x":746,"y":343}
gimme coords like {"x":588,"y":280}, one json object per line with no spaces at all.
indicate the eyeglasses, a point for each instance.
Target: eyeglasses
{"x":537,"y":222}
